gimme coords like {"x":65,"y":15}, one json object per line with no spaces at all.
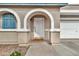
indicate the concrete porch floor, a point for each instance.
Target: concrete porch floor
{"x":66,"y":48}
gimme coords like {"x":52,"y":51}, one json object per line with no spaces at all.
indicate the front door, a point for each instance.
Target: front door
{"x":39,"y":27}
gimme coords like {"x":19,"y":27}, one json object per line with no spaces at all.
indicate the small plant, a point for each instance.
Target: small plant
{"x":15,"y":53}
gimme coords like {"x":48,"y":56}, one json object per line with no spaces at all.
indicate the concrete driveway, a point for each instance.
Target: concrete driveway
{"x":66,"y":48}
{"x":41,"y":49}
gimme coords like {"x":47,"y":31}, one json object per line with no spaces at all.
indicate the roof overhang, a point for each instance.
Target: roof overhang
{"x":34,"y":4}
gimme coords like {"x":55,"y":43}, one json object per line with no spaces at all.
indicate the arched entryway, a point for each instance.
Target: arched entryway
{"x":39,"y":26}
{"x":38,"y":10}
{"x":39,"y":22}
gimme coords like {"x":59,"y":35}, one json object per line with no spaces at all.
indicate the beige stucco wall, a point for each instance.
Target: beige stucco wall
{"x":22,"y":11}
{"x":8,"y":37}
{"x":24,"y":37}
{"x":55,"y":38}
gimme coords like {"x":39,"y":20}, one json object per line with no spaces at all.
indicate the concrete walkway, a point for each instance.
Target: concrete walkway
{"x":41,"y":49}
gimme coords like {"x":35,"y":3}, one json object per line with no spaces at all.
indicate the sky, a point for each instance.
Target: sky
{"x":40,"y":1}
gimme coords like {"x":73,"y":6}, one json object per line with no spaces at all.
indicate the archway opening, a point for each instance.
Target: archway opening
{"x":40,"y":11}
{"x":39,"y":25}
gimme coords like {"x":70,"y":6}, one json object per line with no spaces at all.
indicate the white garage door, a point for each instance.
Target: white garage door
{"x":69,"y":29}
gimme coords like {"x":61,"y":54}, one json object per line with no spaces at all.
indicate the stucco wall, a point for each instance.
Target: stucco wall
{"x":8,"y":37}
{"x":55,"y":37}
{"x":22,"y":11}
{"x":24,"y":37}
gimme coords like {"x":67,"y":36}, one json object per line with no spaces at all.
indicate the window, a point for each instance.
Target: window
{"x":8,"y":21}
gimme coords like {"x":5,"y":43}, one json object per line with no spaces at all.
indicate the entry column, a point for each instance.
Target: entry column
{"x":55,"y":37}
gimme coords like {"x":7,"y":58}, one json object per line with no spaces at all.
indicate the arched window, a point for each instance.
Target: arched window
{"x":8,"y":21}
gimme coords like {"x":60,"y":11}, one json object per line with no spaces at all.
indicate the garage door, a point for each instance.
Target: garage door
{"x":69,"y":29}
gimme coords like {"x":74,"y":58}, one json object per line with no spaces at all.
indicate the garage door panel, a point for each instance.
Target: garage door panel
{"x":69,"y":29}
{"x":69,"y":34}
{"x":68,"y":26}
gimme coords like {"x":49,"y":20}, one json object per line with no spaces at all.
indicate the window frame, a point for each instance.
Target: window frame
{"x":8,"y":19}
{"x":18,"y":27}
{"x":1,"y":29}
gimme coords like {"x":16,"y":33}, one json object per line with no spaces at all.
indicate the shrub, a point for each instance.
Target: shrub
{"x":15,"y":53}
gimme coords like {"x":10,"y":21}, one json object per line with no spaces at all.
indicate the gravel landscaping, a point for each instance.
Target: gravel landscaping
{"x":6,"y":50}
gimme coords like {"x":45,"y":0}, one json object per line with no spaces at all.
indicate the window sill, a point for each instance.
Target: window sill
{"x":8,"y":30}
{"x":13,"y":30}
